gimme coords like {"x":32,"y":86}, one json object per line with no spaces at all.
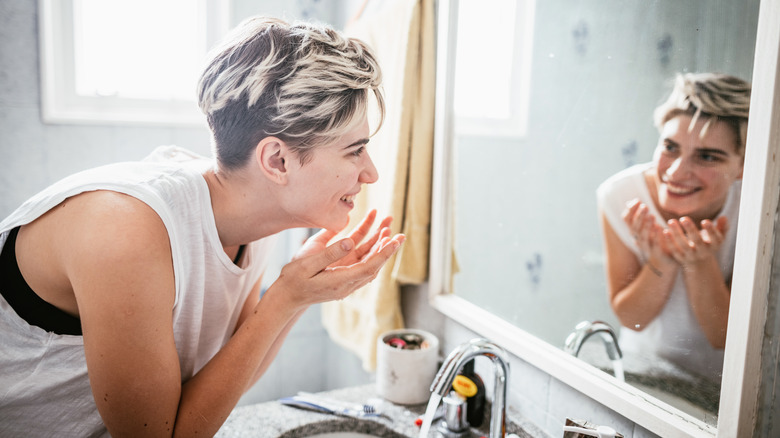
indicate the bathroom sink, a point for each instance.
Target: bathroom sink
{"x":342,"y":435}
{"x":343,"y":428}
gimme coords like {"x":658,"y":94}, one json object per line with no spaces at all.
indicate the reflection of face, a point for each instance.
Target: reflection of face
{"x":693,"y":174}
{"x":323,"y":189}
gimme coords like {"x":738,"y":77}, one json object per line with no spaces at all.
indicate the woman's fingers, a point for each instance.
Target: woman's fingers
{"x":366,"y":270}
{"x":691,"y":232}
{"x":365,"y":247}
{"x":361,"y":231}
{"x":329,"y":272}
{"x":321,"y":238}
{"x":318,"y":261}
{"x":629,"y":214}
{"x":714,"y":233}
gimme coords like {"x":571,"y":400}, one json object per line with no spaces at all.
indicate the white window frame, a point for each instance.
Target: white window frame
{"x":516,"y":124}
{"x":60,"y":104}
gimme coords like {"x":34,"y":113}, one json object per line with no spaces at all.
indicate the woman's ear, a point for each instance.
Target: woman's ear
{"x":272,"y":155}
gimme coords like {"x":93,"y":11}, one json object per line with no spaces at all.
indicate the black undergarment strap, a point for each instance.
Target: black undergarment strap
{"x":239,"y":254}
{"x":25,"y":302}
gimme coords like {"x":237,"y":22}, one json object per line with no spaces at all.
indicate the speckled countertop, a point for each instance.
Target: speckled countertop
{"x":275,"y":420}
{"x":662,"y":379}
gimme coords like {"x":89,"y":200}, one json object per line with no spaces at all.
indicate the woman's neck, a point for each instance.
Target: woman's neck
{"x":240,"y":214}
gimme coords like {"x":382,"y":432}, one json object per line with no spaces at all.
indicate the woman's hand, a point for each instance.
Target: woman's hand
{"x":320,"y":273}
{"x":648,"y":234}
{"x":689,"y":245}
{"x":319,"y":241}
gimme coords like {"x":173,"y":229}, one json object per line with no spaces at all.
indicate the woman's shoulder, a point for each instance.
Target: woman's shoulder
{"x":624,"y":185}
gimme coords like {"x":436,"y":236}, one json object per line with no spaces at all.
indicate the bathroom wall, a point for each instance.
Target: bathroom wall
{"x":34,"y":155}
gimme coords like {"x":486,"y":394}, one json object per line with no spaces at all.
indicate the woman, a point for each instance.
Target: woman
{"x":131,"y":297}
{"x":670,"y":226}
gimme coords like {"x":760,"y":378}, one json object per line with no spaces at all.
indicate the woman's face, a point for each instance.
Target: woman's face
{"x":693,"y":173}
{"x":323,"y":189}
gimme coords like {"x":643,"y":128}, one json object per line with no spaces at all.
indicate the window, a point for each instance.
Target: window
{"x":487,"y":64}
{"x":126,"y":61}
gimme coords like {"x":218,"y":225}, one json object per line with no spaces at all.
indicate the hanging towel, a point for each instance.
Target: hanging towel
{"x":402,"y":34}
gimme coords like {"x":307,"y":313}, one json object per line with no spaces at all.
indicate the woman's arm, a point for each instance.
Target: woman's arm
{"x":249,"y":307}
{"x":315,"y":244}
{"x":117,"y":257}
{"x":637,"y":292}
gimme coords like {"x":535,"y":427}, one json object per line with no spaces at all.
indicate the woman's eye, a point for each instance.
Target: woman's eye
{"x":709,"y":158}
{"x":670,"y":147}
{"x":357,"y":152}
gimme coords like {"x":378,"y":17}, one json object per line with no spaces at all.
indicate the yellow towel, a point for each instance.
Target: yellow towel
{"x":402,"y":34}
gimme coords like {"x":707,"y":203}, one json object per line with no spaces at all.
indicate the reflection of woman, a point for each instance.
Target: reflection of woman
{"x":670,"y":226}
{"x":131,"y":293}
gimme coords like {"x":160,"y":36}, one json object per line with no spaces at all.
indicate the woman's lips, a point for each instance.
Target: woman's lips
{"x":680,"y":190}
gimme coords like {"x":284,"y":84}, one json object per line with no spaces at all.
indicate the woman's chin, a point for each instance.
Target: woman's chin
{"x":336,"y":225}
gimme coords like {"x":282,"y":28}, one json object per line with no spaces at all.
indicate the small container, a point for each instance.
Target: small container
{"x":406,"y":363}
{"x":469,"y":384}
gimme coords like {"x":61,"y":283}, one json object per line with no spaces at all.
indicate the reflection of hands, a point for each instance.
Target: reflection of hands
{"x":689,"y":245}
{"x":649,"y":235}
{"x":320,"y":273}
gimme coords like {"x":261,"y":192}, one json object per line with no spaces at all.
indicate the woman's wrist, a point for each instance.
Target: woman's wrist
{"x":661,"y":267}
{"x":705,"y":264}
{"x":282,"y":302}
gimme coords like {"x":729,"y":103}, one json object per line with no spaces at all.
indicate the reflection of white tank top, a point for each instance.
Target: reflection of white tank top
{"x":675,"y":334}
{"x":44,"y":388}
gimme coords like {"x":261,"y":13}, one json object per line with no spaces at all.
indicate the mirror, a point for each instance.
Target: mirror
{"x":537,"y":104}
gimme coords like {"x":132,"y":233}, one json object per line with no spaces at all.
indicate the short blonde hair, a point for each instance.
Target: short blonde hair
{"x":304,"y":83}
{"x":712,"y":97}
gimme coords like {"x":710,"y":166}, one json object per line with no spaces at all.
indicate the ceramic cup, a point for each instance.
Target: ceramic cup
{"x":404,"y":376}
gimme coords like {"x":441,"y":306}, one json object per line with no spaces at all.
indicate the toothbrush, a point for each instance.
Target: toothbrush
{"x":315,"y":398}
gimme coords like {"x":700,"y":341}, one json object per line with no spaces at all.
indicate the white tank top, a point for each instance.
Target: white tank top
{"x":44,"y":387}
{"x":675,"y":334}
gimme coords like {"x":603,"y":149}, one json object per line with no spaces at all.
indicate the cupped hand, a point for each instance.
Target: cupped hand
{"x":649,"y":235}
{"x":321,"y":272}
{"x":320,"y":240}
{"x":690,"y":245}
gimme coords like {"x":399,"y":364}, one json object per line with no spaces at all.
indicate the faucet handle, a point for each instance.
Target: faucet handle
{"x":455,"y":422}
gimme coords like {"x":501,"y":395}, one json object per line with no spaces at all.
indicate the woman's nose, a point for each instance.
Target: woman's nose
{"x":369,"y":174}
{"x":679,"y":167}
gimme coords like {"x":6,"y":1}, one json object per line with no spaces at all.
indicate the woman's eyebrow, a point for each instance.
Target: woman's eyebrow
{"x":360,"y":142}
{"x":712,"y":151}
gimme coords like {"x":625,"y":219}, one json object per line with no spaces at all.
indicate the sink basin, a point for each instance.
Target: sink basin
{"x":342,"y":435}
{"x":342,"y":428}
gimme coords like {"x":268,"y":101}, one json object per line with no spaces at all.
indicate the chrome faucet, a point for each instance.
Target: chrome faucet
{"x":584,"y":330}
{"x":442,"y":383}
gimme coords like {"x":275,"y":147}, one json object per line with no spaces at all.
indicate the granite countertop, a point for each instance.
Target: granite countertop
{"x":666,"y":381}
{"x":275,"y":420}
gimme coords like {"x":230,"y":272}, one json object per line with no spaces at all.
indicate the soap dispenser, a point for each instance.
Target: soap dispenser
{"x":468,"y":384}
